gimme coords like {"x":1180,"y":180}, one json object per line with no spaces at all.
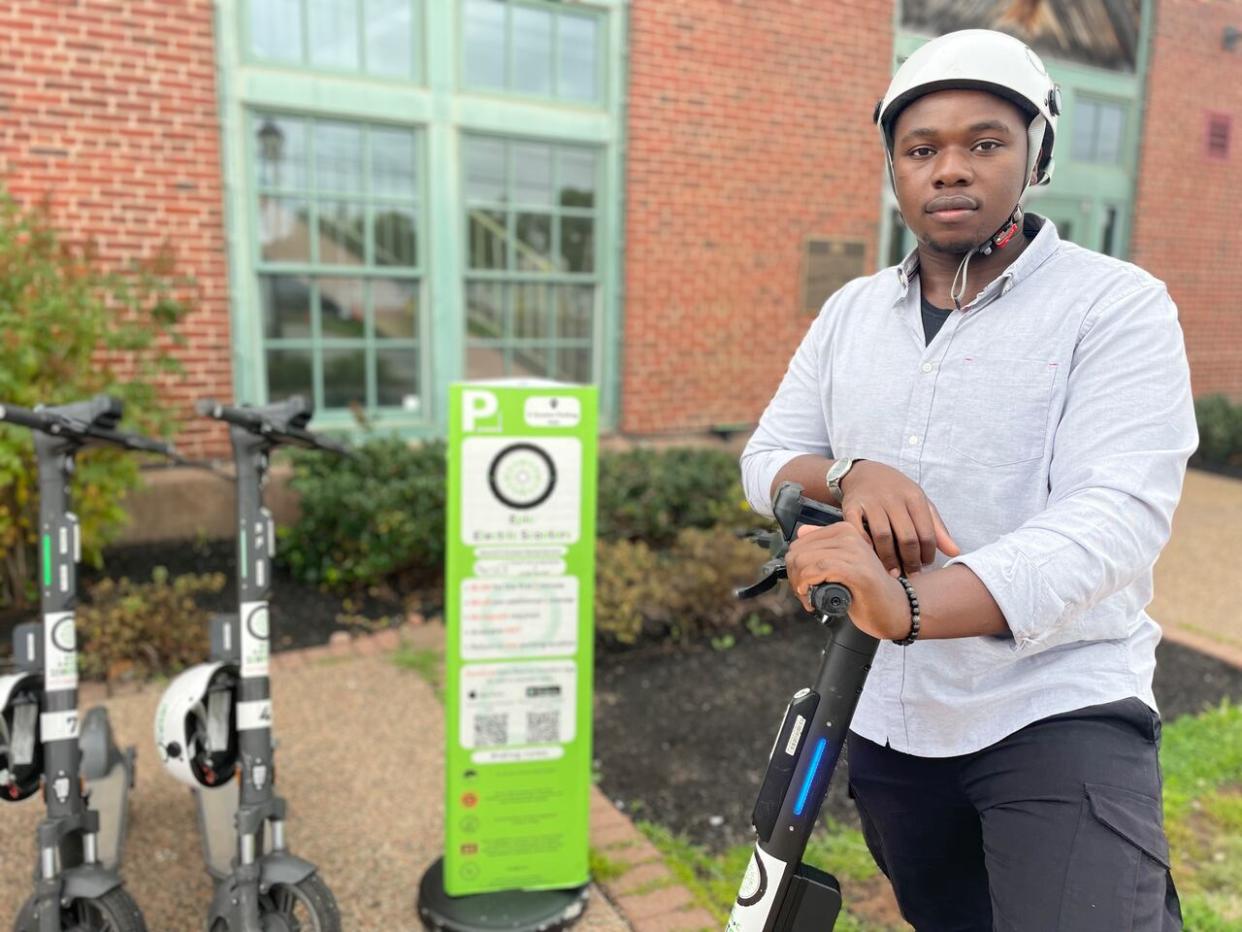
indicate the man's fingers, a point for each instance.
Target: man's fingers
{"x":944,"y":540}
{"x":925,"y":528}
{"x":906,"y":542}
{"x":882,"y":539}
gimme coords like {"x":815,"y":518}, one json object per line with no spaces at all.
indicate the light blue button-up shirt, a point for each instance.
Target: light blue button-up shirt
{"x":1049,"y":421}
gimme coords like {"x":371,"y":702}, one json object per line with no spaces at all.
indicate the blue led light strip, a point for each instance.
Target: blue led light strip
{"x":810,"y":776}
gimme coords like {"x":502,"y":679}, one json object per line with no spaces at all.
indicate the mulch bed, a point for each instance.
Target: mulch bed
{"x":682,"y":738}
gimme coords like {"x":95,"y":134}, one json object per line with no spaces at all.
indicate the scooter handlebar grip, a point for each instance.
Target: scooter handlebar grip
{"x":830,"y":598}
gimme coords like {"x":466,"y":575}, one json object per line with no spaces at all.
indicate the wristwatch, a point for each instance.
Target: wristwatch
{"x":837,"y":472}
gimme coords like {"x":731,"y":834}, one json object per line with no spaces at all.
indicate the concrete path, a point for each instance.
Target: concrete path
{"x":1196,"y":589}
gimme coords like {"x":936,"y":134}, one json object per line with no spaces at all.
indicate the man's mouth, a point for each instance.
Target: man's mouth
{"x":951,"y":204}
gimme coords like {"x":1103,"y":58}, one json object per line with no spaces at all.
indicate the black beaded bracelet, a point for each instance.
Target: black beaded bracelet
{"x":914,"y":614}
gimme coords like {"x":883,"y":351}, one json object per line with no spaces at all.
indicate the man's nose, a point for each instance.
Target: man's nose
{"x":953,"y":168}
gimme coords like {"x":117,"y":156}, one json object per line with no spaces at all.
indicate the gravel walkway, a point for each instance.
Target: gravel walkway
{"x":372,"y":827}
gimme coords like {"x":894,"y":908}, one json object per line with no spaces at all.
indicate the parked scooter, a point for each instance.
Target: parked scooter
{"x":85,"y":778}
{"x":779,"y":892}
{"x":213,"y":727}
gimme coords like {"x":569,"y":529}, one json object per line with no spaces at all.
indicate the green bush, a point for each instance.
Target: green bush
{"x":137,"y":630}
{"x":680,"y":594}
{"x":68,"y":325}
{"x":375,"y":515}
{"x":651,"y":495}
{"x":1220,"y":429}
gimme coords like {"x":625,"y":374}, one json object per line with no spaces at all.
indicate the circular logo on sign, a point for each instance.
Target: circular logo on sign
{"x":754,"y":884}
{"x":256,"y":623}
{"x":522,"y":475}
{"x":64,"y":635}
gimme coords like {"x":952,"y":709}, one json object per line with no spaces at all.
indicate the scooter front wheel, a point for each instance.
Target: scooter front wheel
{"x":115,"y":911}
{"x":306,"y":906}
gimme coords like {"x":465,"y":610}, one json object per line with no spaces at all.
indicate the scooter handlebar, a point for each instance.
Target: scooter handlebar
{"x":24,"y":417}
{"x":255,"y":422}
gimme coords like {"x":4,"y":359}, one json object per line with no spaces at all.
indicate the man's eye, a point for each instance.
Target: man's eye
{"x":988,"y":145}
{"x":920,"y":152}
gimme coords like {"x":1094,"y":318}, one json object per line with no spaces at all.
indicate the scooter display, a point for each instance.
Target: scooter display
{"x":85,"y":777}
{"x":780,"y":893}
{"x":213,"y":727}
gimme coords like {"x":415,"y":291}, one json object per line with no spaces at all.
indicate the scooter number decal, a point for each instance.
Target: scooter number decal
{"x":254,"y":715}
{"x":58,"y":726}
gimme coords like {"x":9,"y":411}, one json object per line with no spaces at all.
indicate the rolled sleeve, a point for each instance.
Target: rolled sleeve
{"x":792,"y":424}
{"x":1118,"y":463}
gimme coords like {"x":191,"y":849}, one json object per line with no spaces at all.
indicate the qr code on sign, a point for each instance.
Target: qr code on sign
{"x":543,"y":726}
{"x":490,"y":730}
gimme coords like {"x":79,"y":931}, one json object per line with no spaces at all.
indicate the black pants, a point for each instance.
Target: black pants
{"x":1057,"y":827}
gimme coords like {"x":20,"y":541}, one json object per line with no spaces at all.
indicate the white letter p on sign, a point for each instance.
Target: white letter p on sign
{"x":477,"y":405}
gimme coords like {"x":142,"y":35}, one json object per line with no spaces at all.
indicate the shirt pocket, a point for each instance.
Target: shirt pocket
{"x":999,"y":409}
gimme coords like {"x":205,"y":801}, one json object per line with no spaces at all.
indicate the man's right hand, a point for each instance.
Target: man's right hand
{"x":893,"y":511}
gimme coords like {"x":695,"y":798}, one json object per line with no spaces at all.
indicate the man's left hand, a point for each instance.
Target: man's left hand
{"x":840,"y":554}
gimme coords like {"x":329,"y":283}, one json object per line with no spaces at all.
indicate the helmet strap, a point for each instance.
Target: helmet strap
{"x":998,"y":240}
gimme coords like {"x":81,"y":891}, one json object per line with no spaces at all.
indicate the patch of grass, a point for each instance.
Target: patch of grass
{"x":713,"y":879}
{"x":1201,"y":757}
{"x":604,"y":868}
{"x":427,"y":664}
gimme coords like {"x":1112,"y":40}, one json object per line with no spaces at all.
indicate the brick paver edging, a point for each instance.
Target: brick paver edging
{"x":644,"y":892}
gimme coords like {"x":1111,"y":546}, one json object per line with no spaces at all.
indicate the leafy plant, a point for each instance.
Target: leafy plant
{"x":679,"y":594}
{"x":1220,"y":429}
{"x":69,"y":329}
{"x":377,"y":514}
{"x":652,"y":495}
{"x":138,"y":630}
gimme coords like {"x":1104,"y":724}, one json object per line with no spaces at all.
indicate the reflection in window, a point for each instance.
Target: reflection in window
{"x":374,"y":37}
{"x":531,"y":278}
{"x":528,"y":48}
{"x":1099,"y":130}
{"x":339,"y":210}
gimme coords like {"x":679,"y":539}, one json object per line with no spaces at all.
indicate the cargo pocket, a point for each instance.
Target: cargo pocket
{"x":1118,"y":869}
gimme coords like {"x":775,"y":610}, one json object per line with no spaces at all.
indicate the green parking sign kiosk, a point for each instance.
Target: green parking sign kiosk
{"x":519,"y":613}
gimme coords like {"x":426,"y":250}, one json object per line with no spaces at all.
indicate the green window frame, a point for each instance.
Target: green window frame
{"x":505,"y":44}
{"x":532,"y":217}
{"x":338,"y":212}
{"x":1099,"y":131}
{"x":374,"y":38}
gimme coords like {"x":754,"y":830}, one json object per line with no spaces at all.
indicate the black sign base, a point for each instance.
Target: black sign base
{"x":508,"y":910}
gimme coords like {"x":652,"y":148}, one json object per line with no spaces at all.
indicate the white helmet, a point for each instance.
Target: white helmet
{"x":983,"y":60}
{"x":196,"y":725}
{"x":21,"y":747}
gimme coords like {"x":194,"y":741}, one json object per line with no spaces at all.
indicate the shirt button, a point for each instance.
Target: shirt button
{"x":914,"y":441}
{"x":928,"y":367}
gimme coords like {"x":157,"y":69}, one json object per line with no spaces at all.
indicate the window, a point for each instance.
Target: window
{"x":532,"y":48}
{"x":1218,"y":126}
{"x":1099,"y":131}
{"x":531,"y":269}
{"x":373,"y":37}
{"x":338,"y":214}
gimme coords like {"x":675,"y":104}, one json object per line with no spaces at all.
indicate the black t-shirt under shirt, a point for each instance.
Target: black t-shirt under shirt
{"x":933,"y":318}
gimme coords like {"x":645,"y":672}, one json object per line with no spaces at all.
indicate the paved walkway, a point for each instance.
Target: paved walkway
{"x":372,"y":824}
{"x":1196,"y":596}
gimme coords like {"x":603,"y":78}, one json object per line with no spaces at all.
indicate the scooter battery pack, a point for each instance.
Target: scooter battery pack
{"x":812,"y":903}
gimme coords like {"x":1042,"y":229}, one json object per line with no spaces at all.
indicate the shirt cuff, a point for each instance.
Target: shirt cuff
{"x":1032,"y":609}
{"x":759,"y":472}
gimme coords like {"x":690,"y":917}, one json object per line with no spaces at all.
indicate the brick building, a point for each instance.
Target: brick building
{"x":377,"y":198}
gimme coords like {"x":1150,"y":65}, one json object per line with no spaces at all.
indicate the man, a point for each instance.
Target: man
{"x":1021,"y":405}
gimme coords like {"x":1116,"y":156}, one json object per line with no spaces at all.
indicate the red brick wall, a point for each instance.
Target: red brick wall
{"x":749,"y":129}
{"x":1187,"y":229}
{"x":108,"y":108}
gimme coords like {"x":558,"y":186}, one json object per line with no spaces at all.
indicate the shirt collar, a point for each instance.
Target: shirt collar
{"x":1043,"y":244}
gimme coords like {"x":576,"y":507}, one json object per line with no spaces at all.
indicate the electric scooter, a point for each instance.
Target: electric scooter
{"x":85,"y":778}
{"x":779,"y":893}
{"x":213,"y":727}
